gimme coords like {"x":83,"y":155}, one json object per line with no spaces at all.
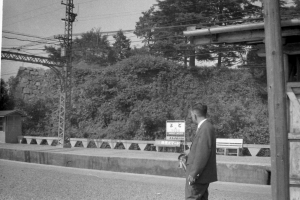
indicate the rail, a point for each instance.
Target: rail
{"x":142,"y":144}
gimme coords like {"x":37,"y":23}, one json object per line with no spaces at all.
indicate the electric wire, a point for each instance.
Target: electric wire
{"x":180,"y":25}
{"x":80,"y":20}
{"x":28,"y":35}
{"x":215,"y":15}
{"x":163,"y":27}
{"x":105,"y":15}
{"x":13,"y":38}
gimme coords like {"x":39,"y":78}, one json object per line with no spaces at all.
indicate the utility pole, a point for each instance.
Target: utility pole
{"x":277,"y":102}
{"x":66,"y":84}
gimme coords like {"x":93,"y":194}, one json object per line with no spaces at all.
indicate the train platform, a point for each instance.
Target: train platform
{"x":238,"y":169}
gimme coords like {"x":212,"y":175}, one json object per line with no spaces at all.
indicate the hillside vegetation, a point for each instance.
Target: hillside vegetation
{"x":133,"y":99}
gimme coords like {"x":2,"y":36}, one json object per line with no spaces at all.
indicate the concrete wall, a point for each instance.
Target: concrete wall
{"x":227,"y":172}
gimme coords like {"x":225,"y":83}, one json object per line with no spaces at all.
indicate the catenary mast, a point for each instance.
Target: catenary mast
{"x":66,"y":86}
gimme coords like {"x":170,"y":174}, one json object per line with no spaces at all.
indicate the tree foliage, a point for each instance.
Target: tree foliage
{"x":38,"y":117}
{"x":162,"y":28}
{"x":121,"y":46}
{"x":6,"y":99}
{"x":92,"y":47}
{"x":134,"y":98}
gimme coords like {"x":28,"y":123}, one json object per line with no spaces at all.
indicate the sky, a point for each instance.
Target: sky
{"x":43,"y":18}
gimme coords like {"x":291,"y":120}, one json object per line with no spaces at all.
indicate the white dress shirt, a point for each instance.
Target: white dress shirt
{"x":200,"y":123}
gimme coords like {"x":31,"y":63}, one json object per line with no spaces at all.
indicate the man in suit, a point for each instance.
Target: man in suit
{"x":201,"y":168}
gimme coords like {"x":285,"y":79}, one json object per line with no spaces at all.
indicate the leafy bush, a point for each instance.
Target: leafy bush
{"x":133,"y":99}
{"x":6,"y":99}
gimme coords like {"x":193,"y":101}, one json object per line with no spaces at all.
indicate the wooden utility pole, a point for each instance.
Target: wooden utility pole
{"x":277,"y":102}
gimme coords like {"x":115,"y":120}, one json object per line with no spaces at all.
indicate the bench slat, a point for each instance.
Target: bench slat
{"x":229,"y":144}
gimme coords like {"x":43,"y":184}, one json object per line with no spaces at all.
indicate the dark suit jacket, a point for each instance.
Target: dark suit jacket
{"x":201,"y":162}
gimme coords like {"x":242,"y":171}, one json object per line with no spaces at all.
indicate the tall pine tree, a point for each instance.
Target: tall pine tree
{"x":92,"y":48}
{"x":121,"y":46}
{"x":162,"y":27}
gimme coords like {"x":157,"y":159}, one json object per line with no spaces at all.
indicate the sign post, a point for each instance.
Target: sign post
{"x":175,"y":130}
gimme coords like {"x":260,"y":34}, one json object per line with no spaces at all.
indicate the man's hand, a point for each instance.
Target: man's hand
{"x":191,"y":180}
{"x":182,"y":157}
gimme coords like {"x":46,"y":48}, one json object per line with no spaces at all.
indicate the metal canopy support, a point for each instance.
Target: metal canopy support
{"x":65,"y":90}
{"x":6,"y":55}
{"x":54,"y":65}
{"x":276,"y":102}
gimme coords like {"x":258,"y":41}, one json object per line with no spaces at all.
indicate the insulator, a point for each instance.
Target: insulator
{"x":63,"y":52}
{"x":72,"y":17}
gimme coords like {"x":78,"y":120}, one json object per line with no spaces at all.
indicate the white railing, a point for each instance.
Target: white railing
{"x":255,"y":148}
{"x":38,"y":139}
{"x":112,"y":143}
{"x":142,"y":144}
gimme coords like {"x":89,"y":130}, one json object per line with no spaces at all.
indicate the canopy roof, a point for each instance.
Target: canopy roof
{"x":252,"y":33}
{"x":4,"y":113}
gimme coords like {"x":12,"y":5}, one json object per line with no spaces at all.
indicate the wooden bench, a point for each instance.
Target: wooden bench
{"x":229,"y":144}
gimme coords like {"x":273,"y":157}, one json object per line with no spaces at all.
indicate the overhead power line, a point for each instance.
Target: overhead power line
{"x":80,"y":20}
{"x":111,"y":14}
{"x":214,"y":15}
{"x":27,"y":35}
{"x":13,"y":38}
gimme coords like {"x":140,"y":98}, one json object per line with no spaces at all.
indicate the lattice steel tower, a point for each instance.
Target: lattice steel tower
{"x":66,"y":86}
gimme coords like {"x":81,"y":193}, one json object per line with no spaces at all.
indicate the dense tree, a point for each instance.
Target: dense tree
{"x":38,"y":117}
{"x":54,"y":53}
{"x":289,"y":10}
{"x":140,"y":51}
{"x":92,"y":47}
{"x":6,"y":100}
{"x":297,"y":4}
{"x":134,"y":98}
{"x":121,"y":46}
{"x":162,"y":28}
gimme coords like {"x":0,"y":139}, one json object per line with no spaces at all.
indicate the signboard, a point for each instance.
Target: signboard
{"x":175,"y":130}
{"x":167,"y":143}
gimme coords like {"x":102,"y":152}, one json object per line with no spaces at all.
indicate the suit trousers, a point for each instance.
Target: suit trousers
{"x":197,"y":191}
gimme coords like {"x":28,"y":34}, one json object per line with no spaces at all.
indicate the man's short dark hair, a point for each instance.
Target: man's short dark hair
{"x":200,"y":109}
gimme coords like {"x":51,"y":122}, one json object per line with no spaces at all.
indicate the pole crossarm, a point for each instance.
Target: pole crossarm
{"x":6,"y":55}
